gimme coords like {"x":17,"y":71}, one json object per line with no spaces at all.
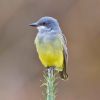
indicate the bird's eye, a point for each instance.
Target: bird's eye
{"x":44,"y":23}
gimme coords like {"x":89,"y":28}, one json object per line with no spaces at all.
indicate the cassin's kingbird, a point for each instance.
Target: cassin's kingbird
{"x":51,"y":45}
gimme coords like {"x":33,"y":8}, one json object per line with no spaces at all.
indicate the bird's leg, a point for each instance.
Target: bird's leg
{"x":50,"y":71}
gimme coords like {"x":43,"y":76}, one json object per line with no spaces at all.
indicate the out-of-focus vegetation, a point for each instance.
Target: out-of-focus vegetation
{"x":20,"y":68}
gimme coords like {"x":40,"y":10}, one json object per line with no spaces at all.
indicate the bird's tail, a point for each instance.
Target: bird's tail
{"x":63,"y":75}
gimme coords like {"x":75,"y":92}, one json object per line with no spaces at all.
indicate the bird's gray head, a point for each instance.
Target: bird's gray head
{"x":47,"y":24}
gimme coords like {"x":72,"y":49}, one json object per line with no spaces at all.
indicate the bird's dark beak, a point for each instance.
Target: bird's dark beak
{"x":33,"y":24}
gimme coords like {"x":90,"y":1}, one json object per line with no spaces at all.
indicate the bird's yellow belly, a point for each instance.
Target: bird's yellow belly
{"x":51,"y":57}
{"x":50,"y":53}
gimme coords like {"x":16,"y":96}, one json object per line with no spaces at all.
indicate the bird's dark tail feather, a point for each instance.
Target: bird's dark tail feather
{"x":63,"y":75}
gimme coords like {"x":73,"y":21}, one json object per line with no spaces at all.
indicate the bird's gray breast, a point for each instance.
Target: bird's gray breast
{"x":47,"y":40}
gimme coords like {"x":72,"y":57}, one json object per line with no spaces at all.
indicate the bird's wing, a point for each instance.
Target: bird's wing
{"x":64,"y":43}
{"x":63,"y":40}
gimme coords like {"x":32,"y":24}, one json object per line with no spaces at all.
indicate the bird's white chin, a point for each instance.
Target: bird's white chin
{"x":41,"y":28}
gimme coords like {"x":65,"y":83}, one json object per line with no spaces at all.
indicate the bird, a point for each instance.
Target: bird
{"x":51,"y":45}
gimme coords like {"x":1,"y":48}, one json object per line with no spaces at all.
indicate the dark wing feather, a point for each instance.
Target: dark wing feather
{"x":63,"y":73}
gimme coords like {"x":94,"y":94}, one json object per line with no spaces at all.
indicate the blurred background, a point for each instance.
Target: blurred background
{"x":20,"y":68}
